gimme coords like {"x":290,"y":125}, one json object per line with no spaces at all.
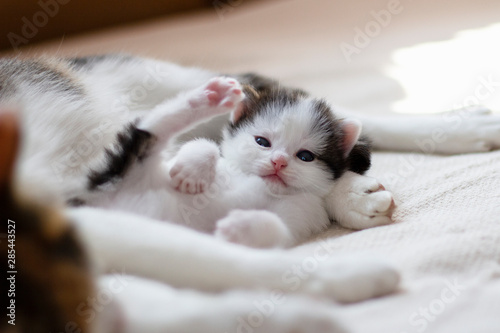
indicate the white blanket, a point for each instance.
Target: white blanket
{"x":445,"y":239}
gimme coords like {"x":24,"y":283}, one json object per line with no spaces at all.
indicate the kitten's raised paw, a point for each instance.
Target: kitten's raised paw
{"x":253,"y":228}
{"x":220,"y":95}
{"x":360,"y":202}
{"x":194,"y":168}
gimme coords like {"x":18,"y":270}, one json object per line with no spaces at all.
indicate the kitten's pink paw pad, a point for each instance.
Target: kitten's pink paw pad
{"x":219,"y":92}
{"x":185,"y":183}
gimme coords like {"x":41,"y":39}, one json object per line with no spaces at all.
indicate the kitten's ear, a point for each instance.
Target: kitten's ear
{"x":9,"y":142}
{"x":352,"y":130}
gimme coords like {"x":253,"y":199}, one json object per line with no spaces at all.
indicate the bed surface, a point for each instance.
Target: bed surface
{"x":425,"y":57}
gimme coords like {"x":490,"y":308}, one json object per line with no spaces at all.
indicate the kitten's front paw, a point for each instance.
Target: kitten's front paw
{"x":353,"y":278}
{"x":253,"y":228}
{"x":360,"y":202}
{"x":219,"y":95}
{"x":195,"y":166}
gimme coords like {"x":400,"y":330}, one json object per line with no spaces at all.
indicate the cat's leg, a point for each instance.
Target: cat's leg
{"x":139,"y":146}
{"x":254,"y":228}
{"x":220,"y":95}
{"x":152,"y":307}
{"x":468,"y":130}
{"x":359,"y":202}
{"x":185,"y":258}
{"x":194,"y":166}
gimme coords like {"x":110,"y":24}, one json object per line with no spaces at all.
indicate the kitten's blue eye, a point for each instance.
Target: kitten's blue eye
{"x":262,"y":142}
{"x":305,"y":155}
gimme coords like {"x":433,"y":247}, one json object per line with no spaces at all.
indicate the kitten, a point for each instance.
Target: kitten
{"x":282,"y":152}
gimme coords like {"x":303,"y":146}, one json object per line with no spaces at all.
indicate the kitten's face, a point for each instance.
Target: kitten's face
{"x":290,"y":144}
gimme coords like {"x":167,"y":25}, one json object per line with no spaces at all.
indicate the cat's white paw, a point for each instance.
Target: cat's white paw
{"x":219,"y":95}
{"x":360,"y":202}
{"x":467,"y":130}
{"x":300,"y":315}
{"x":253,"y":228}
{"x":194,"y":168}
{"x":353,"y":278}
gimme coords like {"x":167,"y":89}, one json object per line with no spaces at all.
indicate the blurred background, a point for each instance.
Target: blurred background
{"x":372,"y":56}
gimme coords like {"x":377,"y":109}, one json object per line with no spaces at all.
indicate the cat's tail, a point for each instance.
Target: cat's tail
{"x":48,"y":276}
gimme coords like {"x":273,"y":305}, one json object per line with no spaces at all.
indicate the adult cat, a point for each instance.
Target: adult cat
{"x":92,"y":99}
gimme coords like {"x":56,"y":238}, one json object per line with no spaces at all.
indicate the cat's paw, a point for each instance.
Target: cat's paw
{"x":353,"y":278}
{"x":253,"y":228}
{"x":468,"y":130}
{"x":219,"y":95}
{"x":360,"y":202}
{"x":298,"y":314}
{"x":195,"y":166}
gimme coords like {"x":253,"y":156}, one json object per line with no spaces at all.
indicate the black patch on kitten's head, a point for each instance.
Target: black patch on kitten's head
{"x":333,"y":154}
{"x":261,"y":91}
{"x":263,"y":94}
{"x":359,"y":159}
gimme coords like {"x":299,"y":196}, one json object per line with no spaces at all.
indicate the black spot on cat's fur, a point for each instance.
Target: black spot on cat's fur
{"x":333,"y":154}
{"x":359,"y":160}
{"x":75,"y":202}
{"x":131,"y":146}
{"x":89,"y":61}
{"x":258,"y":82}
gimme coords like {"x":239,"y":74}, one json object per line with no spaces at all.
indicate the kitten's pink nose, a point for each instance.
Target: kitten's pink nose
{"x":279,"y":162}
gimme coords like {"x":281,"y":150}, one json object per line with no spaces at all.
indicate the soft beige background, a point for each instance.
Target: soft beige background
{"x":432,"y":56}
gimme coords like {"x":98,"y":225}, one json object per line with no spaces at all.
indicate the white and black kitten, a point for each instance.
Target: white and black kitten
{"x":280,"y":155}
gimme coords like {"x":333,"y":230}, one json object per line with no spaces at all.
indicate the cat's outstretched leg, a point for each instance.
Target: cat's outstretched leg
{"x":220,"y":95}
{"x":359,"y":202}
{"x":254,"y":228}
{"x":147,"y":308}
{"x":467,"y":130}
{"x":188,"y":259}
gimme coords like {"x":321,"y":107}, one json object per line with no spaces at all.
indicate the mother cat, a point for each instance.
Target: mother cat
{"x":92,"y":99}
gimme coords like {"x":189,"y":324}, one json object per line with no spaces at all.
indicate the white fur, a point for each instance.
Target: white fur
{"x":152,"y":307}
{"x":468,"y":130}
{"x":360,"y":202}
{"x":184,"y":258}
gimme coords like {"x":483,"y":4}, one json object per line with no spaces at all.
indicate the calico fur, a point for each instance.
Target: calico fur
{"x":53,"y":275}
